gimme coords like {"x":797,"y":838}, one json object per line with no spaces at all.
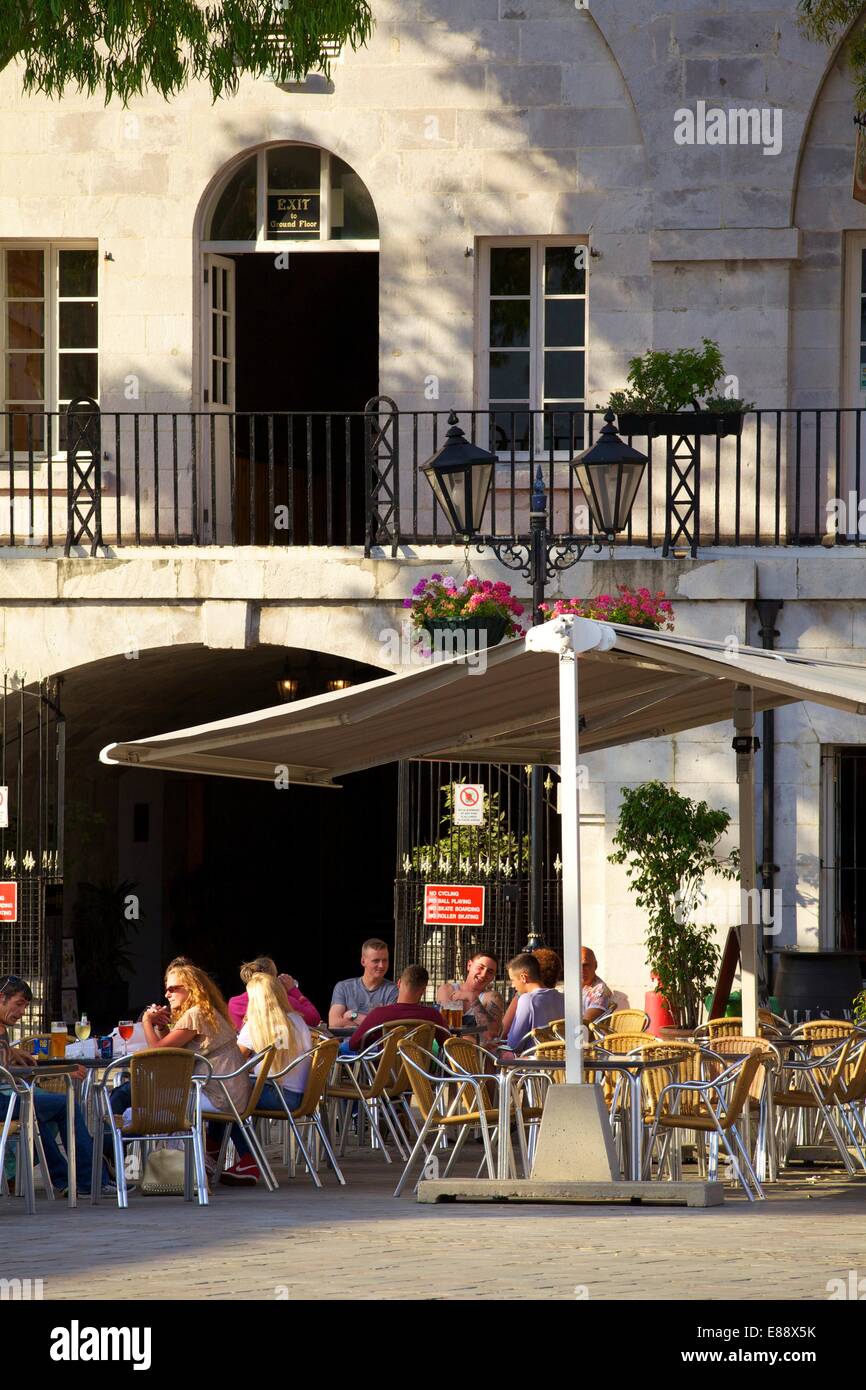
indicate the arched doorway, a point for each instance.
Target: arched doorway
{"x":289,"y":243}
{"x":220,"y":869}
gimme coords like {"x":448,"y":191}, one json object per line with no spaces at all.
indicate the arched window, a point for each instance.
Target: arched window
{"x":291,"y":193}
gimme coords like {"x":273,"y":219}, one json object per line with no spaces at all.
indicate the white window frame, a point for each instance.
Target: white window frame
{"x":537,"y":245}
{"x":52,"y":348}
{"x":306,"y":244}
{"x":852,"y":393}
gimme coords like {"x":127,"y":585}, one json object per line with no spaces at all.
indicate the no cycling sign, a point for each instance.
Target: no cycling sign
{"x":468,"y":803}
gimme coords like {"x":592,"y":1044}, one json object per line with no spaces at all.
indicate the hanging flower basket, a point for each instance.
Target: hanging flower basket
{"x":632,"y":607}
{"x":477,"y":608}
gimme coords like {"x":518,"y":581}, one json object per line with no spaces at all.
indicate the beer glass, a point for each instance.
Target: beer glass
{"x":57,"y":1045}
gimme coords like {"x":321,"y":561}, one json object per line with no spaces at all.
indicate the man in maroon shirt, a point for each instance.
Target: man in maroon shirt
{"x":410,"y":987}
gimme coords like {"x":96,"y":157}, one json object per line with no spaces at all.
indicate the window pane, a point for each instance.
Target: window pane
{"x":26,"y":325}
{"x":509,"y":423}
{"x":77,"y":375}
{"x":24,"y":274}
{"x":563,"y":375}
{"x":78,"y":324}
{"x":863,"y":319}
{"x":353,"y":216}
{"x":509,"y":323}
{"x":510,"y":269}
{"x":509,"y":375}
{"x":234,"y":217}
{"x":28,"y":430}
{"x":561,"y":274}
{"x":294,"y":167}
{"x":566,"y":430}
{"x":563,"y":322}
{"x":77,"y":273}
{"x":24,"y":376}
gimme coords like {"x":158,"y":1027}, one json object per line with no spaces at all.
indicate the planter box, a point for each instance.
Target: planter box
{"x":692,"y":422}
{"x":478,"y":632}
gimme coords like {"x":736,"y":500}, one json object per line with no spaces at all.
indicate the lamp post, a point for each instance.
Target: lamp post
{"x":609,"y":474}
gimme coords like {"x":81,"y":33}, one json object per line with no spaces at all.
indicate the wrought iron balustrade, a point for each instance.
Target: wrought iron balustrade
{"x":111,"y":479}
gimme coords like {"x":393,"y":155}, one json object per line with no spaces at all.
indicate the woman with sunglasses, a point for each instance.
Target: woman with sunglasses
{"x":196,"y":1018}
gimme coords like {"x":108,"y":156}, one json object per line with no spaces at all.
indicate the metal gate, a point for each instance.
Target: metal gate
{"x":432,"y":849}
{"x":32,"y":755}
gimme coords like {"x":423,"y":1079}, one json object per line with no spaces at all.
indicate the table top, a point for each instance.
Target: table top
{"x":46,"y":1066}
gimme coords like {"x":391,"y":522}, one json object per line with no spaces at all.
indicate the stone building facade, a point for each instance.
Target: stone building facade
{"x":148,"y":242}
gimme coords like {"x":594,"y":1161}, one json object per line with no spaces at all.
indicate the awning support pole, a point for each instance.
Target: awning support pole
{"x":750,"y":918}
{"x":570,"y":808}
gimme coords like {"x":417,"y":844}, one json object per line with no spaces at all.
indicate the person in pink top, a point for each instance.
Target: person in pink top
{"x":264,"y":965}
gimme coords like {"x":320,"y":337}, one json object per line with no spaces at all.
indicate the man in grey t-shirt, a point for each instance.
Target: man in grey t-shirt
{"x":354,"y":999}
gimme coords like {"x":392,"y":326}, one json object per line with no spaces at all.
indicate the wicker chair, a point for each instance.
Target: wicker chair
{"x":721,"y":1102}
{"x":46,"y":1083}
{"x":256,"y":1068}
{"x":17,"y":1129}
{"x":831,"y":1082}
{"x":759,"y":1094}
{"x":165,"y":1104}
{"x":308,"y":1115}
{"x":438,"y":1094}
{"x":399,"y":1092}
{"x":824,"y":1028}
{"x":380,"y":1064}
{"x":620,"y":1021}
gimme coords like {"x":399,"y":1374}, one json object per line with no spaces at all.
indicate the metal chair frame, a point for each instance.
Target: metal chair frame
{"x":448,"y":1089}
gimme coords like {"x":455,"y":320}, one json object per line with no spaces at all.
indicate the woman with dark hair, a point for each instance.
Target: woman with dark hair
{"x":481,"y":1004}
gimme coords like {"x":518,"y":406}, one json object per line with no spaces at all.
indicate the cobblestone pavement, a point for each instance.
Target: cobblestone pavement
{"x":250,"y":1244}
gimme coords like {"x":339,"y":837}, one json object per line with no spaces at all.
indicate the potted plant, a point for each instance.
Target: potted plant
{"x":440,"y":604}
{"x":669,"y":845}
{"x":633,"y":607}
{"x":662,"y":385}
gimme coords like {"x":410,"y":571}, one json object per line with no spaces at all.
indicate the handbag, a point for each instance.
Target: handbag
{"x":163,"y":1174}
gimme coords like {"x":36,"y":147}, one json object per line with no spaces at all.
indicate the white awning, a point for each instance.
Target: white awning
{"x":634,"y":684}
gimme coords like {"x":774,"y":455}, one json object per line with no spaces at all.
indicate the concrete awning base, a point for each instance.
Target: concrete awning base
{"x":668,"y":1194}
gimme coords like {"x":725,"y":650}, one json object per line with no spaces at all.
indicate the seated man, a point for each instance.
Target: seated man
{"x":237,"y":1005}
{"x":597,"y":997}
{"x":536,"y":1004}
{"x":353,"y":999}
{"x":412,"y":984}
{"x":49,"y":1106}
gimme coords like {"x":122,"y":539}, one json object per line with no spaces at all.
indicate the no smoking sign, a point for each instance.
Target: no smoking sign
{"x":468,"y":803}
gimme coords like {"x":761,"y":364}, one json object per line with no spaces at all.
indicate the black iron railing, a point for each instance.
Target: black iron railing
{"x":351,"y":478}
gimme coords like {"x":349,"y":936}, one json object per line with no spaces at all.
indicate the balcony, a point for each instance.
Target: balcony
{"x":102,"y":480}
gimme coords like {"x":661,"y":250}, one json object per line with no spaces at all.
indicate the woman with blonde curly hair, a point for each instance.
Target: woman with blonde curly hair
{"x":196,"y":1018}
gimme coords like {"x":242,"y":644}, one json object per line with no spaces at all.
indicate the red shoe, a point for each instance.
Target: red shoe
{"x":245,"y":1172}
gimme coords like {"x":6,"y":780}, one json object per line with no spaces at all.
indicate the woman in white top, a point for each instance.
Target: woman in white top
{"x":270,"y":1019}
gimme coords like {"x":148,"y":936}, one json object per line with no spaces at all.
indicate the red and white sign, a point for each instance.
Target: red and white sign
{"x":468,"y":803}
{"x":8,"y":902}
{"x":453,"y":905}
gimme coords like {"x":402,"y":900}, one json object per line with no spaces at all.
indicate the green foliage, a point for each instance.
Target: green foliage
{"x":860,"y":1007}
{"x":493,"y":840}
{"x":102,"y":930}
{"x":126,"y":47}
{"x":827,"y":21}
{"x":665,"y":382}
{"x":668,"y":844}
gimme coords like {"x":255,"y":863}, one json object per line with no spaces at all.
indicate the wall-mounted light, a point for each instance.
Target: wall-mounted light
{"x":339,"y":685}
{"x":108,"y":256}
{"x":288,"y":686}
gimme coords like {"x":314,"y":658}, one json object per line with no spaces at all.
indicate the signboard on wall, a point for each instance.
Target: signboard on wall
{"x":293,"y":214}
{"x":468,"y":802}
{"x":8,"y":902}
{"x":453,"y":905}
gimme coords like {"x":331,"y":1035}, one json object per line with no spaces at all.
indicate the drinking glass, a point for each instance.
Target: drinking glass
{"x":82,"y":1028}
{"x":454,"y":1014}
{"x":57,"y":1046}
{"x":125,"y":1028}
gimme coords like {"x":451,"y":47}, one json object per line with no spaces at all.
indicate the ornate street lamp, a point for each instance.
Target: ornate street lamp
{"x":460,"y":475}
{"x":609,"y":473}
